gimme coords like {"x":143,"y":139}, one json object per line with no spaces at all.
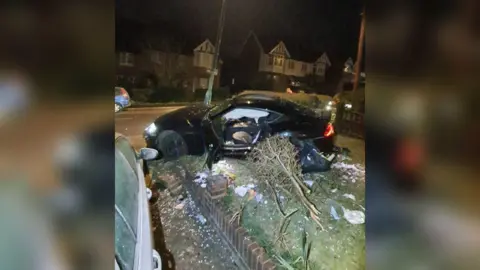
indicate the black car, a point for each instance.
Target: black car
{"x":233,"y":127}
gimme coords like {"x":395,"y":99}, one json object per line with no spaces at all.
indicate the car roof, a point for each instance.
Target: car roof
{"x":268,"y":101}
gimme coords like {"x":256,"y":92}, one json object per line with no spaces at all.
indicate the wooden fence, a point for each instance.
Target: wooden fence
{"x":351,"y":124}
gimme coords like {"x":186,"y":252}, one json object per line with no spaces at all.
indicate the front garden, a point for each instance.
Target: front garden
{"x":312,"y":221}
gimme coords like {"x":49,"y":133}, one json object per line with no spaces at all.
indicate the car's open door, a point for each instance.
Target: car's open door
{"x":212,"y":125}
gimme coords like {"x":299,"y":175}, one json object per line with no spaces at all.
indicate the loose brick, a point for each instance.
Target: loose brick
{"x":217,"y":186}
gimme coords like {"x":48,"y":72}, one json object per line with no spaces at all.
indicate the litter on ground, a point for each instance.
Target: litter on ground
{"x":201,"y":219}
{"x":334,"y":213}
{"x":242,"y":190}
{"x":180,"y":206}
{"x":308,"y":183}
{"x":354,"y":216}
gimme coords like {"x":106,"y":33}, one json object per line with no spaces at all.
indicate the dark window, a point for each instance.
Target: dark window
{"x":291,"y":64}
{"x":270,"y":60}
{"x":304,"y":67}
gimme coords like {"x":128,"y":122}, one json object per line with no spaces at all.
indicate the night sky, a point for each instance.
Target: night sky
{"x":329,"y":25}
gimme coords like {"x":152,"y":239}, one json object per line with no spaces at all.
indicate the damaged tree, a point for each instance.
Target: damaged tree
{"x":274,"y":162}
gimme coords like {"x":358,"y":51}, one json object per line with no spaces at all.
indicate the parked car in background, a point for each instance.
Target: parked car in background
{"x":133,"y":231}
{"x":235,"y":126}
{"x":122,"y":99}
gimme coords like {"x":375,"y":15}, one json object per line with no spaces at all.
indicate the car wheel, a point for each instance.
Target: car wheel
{"x":171,"y":145}
{"x":118,"y":107}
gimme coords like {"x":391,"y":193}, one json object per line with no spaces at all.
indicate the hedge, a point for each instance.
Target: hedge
{"x":169,"y":94}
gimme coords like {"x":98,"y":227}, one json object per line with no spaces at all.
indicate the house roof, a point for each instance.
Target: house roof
{"x":297,"y":51}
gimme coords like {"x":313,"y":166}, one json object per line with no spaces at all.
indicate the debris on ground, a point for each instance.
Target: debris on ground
{"x":201,"y":219}
{"x":334,"y":207}
{"x":201,"y":178}
{"x":222,"y":167}
{"x":193,"y":242}
{"x":243,"y":190}
{"x":349,"y":196}
{"x":334,"y":213}
{"x":308,"y":183}
{"x":354,"y":216}
{"x":179,"y":206}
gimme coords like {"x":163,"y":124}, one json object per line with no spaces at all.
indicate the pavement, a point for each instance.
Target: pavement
{"x":133,"y":121}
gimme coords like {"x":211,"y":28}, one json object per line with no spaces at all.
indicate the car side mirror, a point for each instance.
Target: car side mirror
{"x":149,"y":194}
{"x":148,"y":153}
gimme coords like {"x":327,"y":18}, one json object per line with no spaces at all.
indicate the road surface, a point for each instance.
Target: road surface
{"x":132,"y":122}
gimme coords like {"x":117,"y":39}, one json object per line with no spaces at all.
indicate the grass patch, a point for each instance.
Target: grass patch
{"x":340,"y":246}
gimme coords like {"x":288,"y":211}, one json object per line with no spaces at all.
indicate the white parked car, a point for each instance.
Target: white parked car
{"x":133,"y":232}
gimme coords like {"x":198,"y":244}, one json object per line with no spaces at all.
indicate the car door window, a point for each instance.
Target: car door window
{"x":126,"y":191}
{"x":245,"y":119}
{"x":124,"y":146}
{"x":125,"y":243}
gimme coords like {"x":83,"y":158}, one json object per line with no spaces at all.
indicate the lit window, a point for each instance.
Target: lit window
{"x":203,"y":83}
{"x":126,"y":59}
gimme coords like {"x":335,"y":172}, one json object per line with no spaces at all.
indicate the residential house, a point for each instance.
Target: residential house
{"x":349,"y":71}
{"x":187,"y":67}
{"x":272,"y":66}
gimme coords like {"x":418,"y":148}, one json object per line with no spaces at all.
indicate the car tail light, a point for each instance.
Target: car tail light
{"x":410,"y":155}
{"x":329,"y":131}
{"x":124,"y":93}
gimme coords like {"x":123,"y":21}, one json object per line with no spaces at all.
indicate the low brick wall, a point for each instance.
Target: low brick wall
{"x":250,"y":254}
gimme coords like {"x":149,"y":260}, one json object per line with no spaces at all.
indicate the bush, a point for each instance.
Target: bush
{"x":274,"y":162}
{"x":218,"y":94}
{"x":167,"y":94}
{"x":141,"y":94}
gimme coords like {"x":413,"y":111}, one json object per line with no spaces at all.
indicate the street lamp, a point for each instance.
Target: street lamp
{"x":214,"y":69}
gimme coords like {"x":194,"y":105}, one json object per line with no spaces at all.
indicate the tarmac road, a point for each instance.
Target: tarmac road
{"x":132,"y":122}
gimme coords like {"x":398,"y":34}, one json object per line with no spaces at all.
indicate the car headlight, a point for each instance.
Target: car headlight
{"x":328,"y":108}
{"x":151,"y":129}
{"x":330,"y":103}
{"x":348,"y":106}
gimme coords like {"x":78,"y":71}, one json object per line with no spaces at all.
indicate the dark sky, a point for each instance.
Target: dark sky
{"x":332,"y":25}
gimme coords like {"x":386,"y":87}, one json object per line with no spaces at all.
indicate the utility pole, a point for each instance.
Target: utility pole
{"x":214,"y":71}
{"x":359,"y":52}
